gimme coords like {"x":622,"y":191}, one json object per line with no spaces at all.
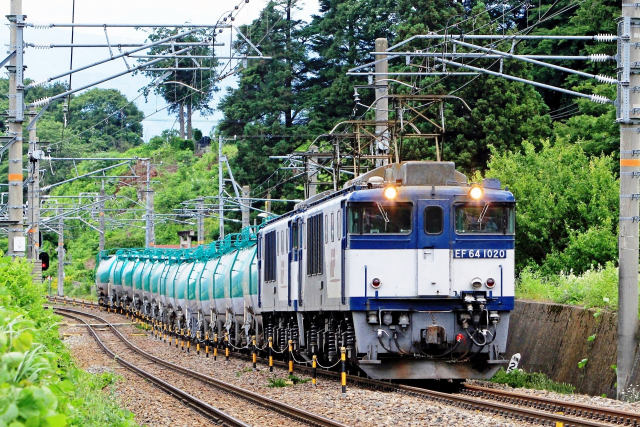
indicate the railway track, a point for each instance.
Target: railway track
{"x":518,"y":406}
{"x":287,"y":412}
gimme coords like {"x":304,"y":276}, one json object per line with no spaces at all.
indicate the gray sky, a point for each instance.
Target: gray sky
{"x":43,"y":63}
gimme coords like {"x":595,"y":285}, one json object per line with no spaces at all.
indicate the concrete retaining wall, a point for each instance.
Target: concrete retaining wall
{"x":552,"y":339}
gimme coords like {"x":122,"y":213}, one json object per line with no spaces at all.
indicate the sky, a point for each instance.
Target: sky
{"x":44,"y":63}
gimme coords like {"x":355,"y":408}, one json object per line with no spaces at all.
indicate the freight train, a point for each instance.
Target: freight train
{"x":409,"y":268}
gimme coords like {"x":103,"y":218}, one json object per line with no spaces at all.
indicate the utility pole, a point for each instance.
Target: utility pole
{"x":200,"y":219}
{"x":33,"y":201}
{"x":150,"y":235}
{"x":101,"y":218}
{"x":17,"y":241}
{"x":221,"y":159}
{"x":382,"y":101}
{"x":245,"y":206}
{"x":312,"y":172}
{"x":629,"y":118}
{"x":60,"y":253}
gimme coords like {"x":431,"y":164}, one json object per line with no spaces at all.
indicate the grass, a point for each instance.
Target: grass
{"x":597,"y":287}
{"x":534,"y":380}
{"x":277,"y":382}
{"x":290,"y":380}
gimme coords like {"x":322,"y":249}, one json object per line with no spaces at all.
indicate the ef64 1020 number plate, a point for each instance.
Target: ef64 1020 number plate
{"x":479,"y":253}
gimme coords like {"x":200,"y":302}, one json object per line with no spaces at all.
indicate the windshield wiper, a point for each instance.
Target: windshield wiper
{"x":384,"y":214}
{"x":483,"y":213}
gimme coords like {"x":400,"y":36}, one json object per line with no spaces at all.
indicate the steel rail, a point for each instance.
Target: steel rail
{"x":268,"y":403}
{"x":588,"y":411}
{"x":543,"y":409}
{"x":197,"y":404}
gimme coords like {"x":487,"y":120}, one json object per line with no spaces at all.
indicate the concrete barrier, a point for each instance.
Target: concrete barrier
{"x":554,"y":338}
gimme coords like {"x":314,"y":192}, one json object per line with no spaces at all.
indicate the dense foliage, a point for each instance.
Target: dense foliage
{"x":39,"y":385}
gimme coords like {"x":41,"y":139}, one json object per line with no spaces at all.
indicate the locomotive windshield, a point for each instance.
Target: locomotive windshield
{"x":378,"y":218}
{"x":486,"y":219}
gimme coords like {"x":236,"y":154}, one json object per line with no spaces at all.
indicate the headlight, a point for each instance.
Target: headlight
{"x":476,"y":192}
{"x":390,"y":192}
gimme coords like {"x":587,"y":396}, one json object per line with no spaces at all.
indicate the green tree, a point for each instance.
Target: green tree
{"x":104,"y":120}
{"x":567,"y":205}
{"x":185,"y":90}
{"x":267,"y":109}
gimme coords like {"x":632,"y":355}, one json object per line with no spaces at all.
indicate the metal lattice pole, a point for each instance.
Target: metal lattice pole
{"x":200,"y":220}
{"x":221,"y":159}
{"x":382,"y":101}
{"x":17,"y":243}
{"x":150,"y":235}
{"x":60,"y":253}
{"x":629,"y":118}
{"x":33,"y":202}
{"x":101,"y":218}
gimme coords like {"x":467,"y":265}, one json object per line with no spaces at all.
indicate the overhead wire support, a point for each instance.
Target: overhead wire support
{"x":47,"y":100}
{"x":111,"y":58}
{"x":600,"y":78}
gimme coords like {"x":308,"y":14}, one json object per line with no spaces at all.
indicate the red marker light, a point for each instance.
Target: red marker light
{"x":459,"y":338}
{"x":375,"y":283}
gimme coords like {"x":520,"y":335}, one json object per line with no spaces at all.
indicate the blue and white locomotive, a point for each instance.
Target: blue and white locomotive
{"x":409,"y":267}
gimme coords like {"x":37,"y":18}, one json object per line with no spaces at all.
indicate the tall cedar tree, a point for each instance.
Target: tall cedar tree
{"x":266,"y":108}
{"x":184,"y":90}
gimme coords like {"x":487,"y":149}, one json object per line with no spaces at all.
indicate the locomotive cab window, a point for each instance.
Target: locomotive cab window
{"x":379,"y":218}
{"x":433,"y":220}
{"x":488,"y":218}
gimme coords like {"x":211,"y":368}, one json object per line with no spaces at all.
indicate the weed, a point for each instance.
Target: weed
{"x":277,"y":382}
{"x":535,"y":380}
{"x":298,"y":380}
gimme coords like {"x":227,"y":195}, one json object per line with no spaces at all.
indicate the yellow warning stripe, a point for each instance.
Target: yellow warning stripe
{"x":629,"y":162}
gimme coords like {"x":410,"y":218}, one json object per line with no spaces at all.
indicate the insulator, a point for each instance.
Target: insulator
{"x":599,"y":99}
{"x":604,"y":37}
{"x":36,"y":84}
{"x":606,"y":79}
{"x":40,"y":102}
{"x":40,"y":46}
{"x":600,"y":57}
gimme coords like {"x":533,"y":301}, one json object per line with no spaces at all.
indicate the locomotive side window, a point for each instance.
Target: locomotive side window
{"x":376,"y":218}
{"x":270,"y":249}
{"x":294,"y":235}
{"x":433,"y":220}
{"x":315,"y":249}
{"x":333,"y":228}
{"x":485,"y":219}
{"x":326,"y":229}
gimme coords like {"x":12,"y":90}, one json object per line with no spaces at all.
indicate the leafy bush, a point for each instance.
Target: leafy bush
{"x":567,"y":205}
{"x":39,"y":385}
{"x":597,"y":287}
{"x":535,"y":380}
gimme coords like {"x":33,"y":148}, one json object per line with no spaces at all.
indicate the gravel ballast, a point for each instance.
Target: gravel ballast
{"x":358,"y":407}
